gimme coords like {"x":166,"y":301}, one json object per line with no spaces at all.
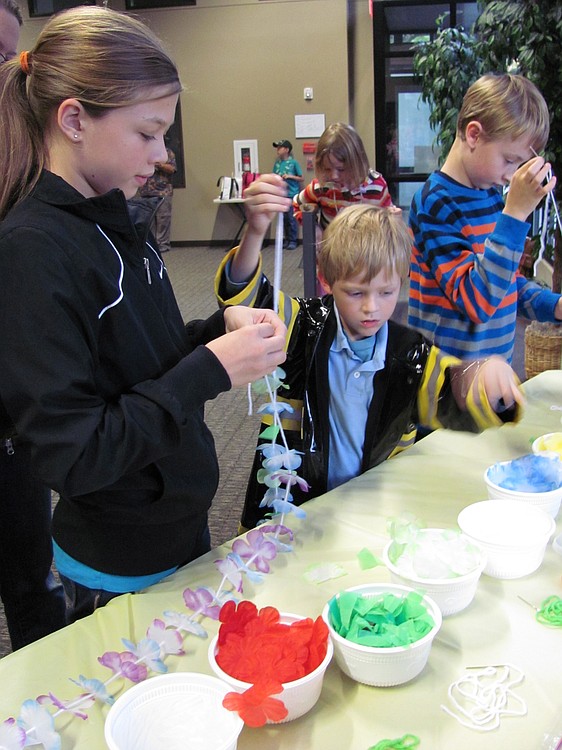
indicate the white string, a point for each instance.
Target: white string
{"x":479,"y":701}
{"x":552,"y":198}
{"x":542,"y":236}
{"x":250,"y":404}
{"x":278,"y":261}
{"x":277,"y":271}
{"x":549,"y":200}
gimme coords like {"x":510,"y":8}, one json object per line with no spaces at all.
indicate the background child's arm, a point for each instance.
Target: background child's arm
{"x":264,"y":199}
{"x":293,"y":176}
{"x":306,"y":197}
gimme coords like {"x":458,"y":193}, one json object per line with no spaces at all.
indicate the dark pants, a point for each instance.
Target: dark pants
{"x":33,"y":601}
{"x":163,"y":224}
{"x":83,"y":601}
{"x":290,"y":226}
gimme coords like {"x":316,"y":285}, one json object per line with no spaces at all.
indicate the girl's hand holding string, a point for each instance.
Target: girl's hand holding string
{"x":253,"y":346}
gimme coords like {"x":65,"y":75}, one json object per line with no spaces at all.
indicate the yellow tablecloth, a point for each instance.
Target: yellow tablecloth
{"x":434,"y":480}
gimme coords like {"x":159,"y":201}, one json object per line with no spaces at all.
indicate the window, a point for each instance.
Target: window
{"x":149,"y":4}
{"x":38,"y":8}
{"x":403,"y":138}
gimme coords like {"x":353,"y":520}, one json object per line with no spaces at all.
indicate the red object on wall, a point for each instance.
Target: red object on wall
{"x":309,"y":148}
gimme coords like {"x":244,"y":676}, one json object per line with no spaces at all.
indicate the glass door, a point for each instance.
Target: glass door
{"x":403,"y":139}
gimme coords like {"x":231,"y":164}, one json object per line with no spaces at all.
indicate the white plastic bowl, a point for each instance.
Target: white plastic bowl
{"x":549,"y":443}
{"x":451,"y":595}
{"x":173,"y":712}
{"x":383,"y":667}
{"x":548,"y":501}
{"x":299,"y":696}
{"x":513,"y":535}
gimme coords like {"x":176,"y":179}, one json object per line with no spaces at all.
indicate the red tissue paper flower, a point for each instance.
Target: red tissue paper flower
{"x":255,"y":706}
{"x":255,"y":647}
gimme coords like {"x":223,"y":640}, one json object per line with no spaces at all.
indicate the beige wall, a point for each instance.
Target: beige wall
{"x":244,"y":64}
{"x":361,"y":82}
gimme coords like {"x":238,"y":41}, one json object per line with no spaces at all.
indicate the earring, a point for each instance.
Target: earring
{"x":76,"y":135}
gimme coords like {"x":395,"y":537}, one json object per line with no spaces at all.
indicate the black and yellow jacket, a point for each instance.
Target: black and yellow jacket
{"x":412,"y":389}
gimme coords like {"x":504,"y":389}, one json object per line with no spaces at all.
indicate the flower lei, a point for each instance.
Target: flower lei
{"x":250,"y":556}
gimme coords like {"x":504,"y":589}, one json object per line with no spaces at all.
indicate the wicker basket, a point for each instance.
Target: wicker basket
{"x":543,"y":347}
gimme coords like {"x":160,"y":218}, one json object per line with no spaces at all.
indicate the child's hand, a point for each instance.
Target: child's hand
{"x":263,"y":199}
{"x":495,"y":378}
{"x":526,"y":189}
{"x":492,"y":379}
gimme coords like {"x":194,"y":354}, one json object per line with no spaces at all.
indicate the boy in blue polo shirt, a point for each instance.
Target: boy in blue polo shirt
{"x":287,"y":167}
{"x":358,"y":382}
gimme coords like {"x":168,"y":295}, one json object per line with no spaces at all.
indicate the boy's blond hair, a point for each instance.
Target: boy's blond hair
{"x":364,"y":239}
{"x":506,"y":106}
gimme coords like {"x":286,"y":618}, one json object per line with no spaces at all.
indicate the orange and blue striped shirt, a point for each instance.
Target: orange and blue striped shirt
{"x":465,"y":287}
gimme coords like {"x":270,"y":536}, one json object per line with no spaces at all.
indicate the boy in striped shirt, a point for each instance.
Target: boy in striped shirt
{"x":465,"y":287}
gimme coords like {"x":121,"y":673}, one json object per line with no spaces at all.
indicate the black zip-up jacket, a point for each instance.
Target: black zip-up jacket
{"x":415,"y":373}
{"x":104,"y":381}
{"x":391,"y":418}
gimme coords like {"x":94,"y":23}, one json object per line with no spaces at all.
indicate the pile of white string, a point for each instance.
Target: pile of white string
{"x":483,"y":695}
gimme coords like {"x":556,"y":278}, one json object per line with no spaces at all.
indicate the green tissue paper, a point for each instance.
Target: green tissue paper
{"x":381,"y":621}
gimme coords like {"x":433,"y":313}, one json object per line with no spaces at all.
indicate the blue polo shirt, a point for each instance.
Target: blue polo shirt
{"x":351,"y":368}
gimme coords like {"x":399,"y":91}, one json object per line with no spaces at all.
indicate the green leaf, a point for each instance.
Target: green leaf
{"x":270,"y":432}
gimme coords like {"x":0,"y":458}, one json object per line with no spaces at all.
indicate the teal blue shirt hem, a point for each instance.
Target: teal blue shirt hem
{"x":96,"y":580}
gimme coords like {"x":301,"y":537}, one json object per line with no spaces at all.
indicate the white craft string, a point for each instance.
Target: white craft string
{"x":550,"y":199}
{"x":277,"y":272}
{"x":479,"y":700}
{"x":278,"y":261}
{"x":250,"y":404}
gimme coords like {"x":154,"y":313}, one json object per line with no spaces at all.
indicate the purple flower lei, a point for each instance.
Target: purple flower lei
{"x":250,"y":556}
